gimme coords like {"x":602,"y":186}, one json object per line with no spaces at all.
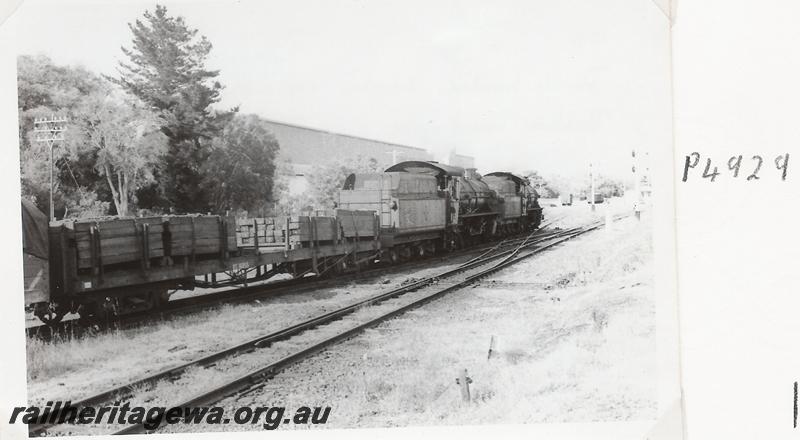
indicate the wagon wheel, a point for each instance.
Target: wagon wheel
{"x":50,"y":315}
{"x":92,"y":314}
{"x":159,"y":298}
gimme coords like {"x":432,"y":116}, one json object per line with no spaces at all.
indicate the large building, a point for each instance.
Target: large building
{"x":304,"y":147}
{"x":461,"y":160}
{"x":309,"y":146}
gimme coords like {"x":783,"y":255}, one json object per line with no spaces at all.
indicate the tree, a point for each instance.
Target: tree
{"x":561,"y":185}
{"x":166,"y":70}
{"x":125,"y":139}
{"x":239,"y":174}
{"x":326,"y":180}
{"x":45,"y":89}
{"x":541,"y":185}
{"x":609,"y":187}
{"x":287,"y":202}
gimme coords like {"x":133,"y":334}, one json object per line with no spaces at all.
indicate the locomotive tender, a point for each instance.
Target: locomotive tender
{"x":104,"y":267}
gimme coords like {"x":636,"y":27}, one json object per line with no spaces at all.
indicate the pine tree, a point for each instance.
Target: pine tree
{"x":166,"y":70}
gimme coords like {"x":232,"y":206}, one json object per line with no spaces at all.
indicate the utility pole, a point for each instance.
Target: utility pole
{"x":50,"y":130}
{"x":636,"y":177}
{"x":591,"y":177}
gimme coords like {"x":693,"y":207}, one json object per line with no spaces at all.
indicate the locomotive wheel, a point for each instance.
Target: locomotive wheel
{"x":394,"y":256}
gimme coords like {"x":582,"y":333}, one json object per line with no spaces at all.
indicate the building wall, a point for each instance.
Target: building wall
{"x":461,"y":160}
{"x":303,"y":147}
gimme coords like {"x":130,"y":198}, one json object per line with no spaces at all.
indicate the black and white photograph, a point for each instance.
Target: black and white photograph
{"x":249,"y":216}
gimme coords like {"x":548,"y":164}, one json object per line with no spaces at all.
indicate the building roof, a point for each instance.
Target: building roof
{"x":333,"y":133}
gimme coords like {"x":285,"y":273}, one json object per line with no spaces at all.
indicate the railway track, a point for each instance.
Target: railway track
{"x":389,"y":304}
{"x":72,"y":328}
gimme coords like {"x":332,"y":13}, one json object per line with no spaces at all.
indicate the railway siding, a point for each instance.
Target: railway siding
{"x":590,"y":339}
{"x":223,"y":370}
{"x":231,"y":364}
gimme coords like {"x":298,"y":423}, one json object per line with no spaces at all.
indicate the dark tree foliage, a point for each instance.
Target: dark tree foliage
{"x":45,"y":89}
{"x":541,"y":185}
{"x":241,"y":169}
{"x":609,"y":187}
{"x":166,"y":69}
{"x":40,"y":83}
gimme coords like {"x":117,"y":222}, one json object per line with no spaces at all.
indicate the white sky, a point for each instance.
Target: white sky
{"x":531,"y":84}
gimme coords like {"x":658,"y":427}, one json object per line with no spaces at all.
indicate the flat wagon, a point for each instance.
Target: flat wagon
{"x":122,"y":265}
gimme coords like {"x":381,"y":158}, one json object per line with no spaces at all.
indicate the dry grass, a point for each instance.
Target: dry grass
{"x":44,"y":361}
{"x":80,"y":366}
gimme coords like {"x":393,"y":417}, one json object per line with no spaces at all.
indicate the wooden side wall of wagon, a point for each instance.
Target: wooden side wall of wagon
{"x":107,"y":242}
{"x":201,"y":235}
{"x":313,"y":241}
{"x":308,"y":231}
{"x":148,"y":240}
{"x":358,"y":224}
